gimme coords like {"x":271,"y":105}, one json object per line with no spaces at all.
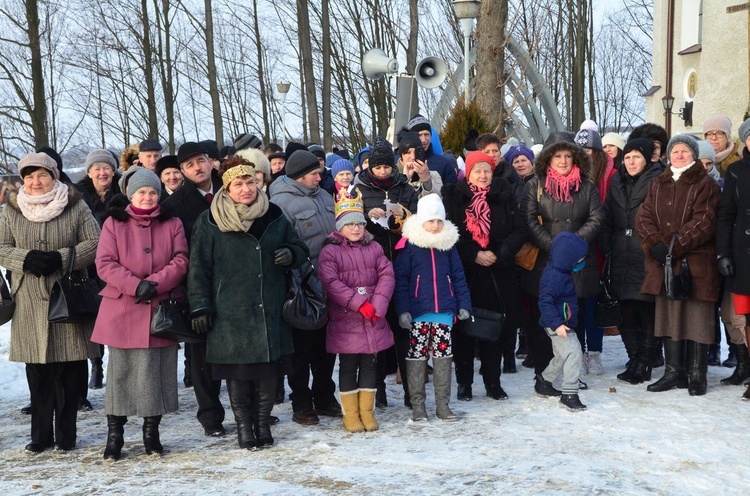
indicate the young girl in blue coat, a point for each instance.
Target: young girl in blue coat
{"x":431,"y":292}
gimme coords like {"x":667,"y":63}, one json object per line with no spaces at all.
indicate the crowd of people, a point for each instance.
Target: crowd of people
{"x":408,"y":242}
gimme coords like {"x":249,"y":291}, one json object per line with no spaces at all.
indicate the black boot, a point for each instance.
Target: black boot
{"x":629,"y":337}
{"x":521,"y":352}
{"x":151,"y":435}
{"x":381,"y":399}
{"x":658,"y":358}
{"x":509,"y":362}
{"x":646,"y":349}
{"x":674,"y":372}
{"x":463,"y":392}
{"x":742,"y":371}
{"x":545,"y":388}
{"x":97,"y":374}
{"x":242,"y":400}
{"x":115,"y":432}
{"x":187,"y":379}
{"x":697,"y":366}
{"x":280,"y":391}
{"x":266,"y":393}
{"x":731,"y":360}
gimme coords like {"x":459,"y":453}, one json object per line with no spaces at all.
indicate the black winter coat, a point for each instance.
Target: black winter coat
{"x":442,"y":165}
{"x":617,"y":235}
{"x":507,"y":172}
{"x":187,"y":203}
{"x":93,"y":200}
{"x":507,"y":235}
{"x":733,"y":224}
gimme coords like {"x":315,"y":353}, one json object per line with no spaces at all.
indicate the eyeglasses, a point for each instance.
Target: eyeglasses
{"x":715,"y":135}
{"x":355,"y":225}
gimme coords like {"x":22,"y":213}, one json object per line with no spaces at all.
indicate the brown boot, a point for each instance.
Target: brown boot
{"x":350,"y":408}
{"x":366,"y":407}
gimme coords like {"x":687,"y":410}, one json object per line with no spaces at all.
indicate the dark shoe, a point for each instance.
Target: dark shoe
{"x":151,"y":441}
{"x":582,"y":385}
{"x":97,"y":374}
{"x":521,"y":352}
{"x":280,"y":391}
{"x":572,"y":402}
{"x":273,"y":419}
{"x":714,"y":356}
{"x":187,"y":380}
{"x":545,"y":388}
{"x":697,"y":367}
{"x":509,"y":365}
{"x":627,"y":375}
{"x":215,"y":431}
{"x":528,"y":362}
{"x":381,"y":399}
{"x":672,"y":379}
{"x":742,"y":371}
{"x":331,"y":409}
{"x":266,"y":397}
{"x":657,"y":358}
{"x":641,"y":373}
{"x":306,"y":417}
{"x":63,"y":447}
{"x":115,"y":432}
{"x":746,"y":396}
{"x":26,"y":410}
{"x":463,"y":392}
{"x":84,"y":405}
{"x":35,"y":447}
{"x":496,"y":392}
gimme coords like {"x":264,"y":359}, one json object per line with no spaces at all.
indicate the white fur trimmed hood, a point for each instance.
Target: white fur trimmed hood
{"x":418,"y":236}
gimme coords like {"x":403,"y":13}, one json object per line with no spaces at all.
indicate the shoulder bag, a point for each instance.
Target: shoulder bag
{"x":608,"y":312}
{"x":677,"y":286}
{"x":305,"y":307}
{"x":170,"y":320}
{"x":74,"y":296}
{"x":527,"y":255}
{"x":7,"y":304}
{"x":483,"y":324}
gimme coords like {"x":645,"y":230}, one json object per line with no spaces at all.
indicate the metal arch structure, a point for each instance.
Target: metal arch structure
{"x":535,"y":129}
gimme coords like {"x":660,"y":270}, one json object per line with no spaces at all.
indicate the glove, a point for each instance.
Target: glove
{"x":404,"y":320}
{"x":34,"y":262}
{"x":282,"y":256}
{"x":659,"y":252}
{"x":726,"y":266}
{"x":367,"y":310}
{"x":463,"y":314}
{"x":52,"y":261}
{"x":145,"y":291}
{"x":201,"y":324}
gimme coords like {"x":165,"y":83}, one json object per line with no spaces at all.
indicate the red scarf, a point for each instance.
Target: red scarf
{"x":559,"y":186}
{"x":478,"y":216}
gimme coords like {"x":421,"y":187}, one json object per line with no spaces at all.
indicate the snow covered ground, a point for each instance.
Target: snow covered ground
{"x":629,"y":441}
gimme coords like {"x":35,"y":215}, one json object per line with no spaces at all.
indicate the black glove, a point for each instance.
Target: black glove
{"x":660,"y":252}
{"x":282,"y":256}
{"x":201,"y":324}
{"x":145,"y":291}
{"x":34,"y":262}
{"x":52,"y":262}
{"x":726,"y":266}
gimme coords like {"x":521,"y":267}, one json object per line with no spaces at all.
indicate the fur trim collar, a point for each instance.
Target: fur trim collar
{"x":74,"y":196}
{"x":117,"y":205}
{"x":580,"y":158}
{"x":442,"y":241}
{"x":691,"y":176}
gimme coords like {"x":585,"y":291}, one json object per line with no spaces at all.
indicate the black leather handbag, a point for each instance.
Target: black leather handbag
{"x":74,"y":296}
{"x":608,"y":313}
{"x":484,"y":324}
{"x":7,"y":303}
{"x":170,"y":320}
{"x":677,"y":286}
{"x":305,"y":308}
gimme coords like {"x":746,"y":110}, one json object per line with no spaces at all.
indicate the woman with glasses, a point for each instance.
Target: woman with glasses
{"x":717,"y":130}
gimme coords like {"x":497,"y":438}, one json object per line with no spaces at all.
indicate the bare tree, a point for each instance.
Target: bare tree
{"x":490,"y":79}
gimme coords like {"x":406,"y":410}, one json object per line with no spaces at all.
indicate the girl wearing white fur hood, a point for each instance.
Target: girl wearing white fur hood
{"x":431,"y":292}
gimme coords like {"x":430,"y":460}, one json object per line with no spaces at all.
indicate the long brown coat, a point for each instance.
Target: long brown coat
{"x":687,"y":207}
{"x":32,"y":338}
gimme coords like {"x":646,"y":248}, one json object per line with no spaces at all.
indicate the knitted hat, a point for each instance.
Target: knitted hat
{"x":718,"y":123}
{"x":166,"y":162}
{"x":588,"y":138}
{"x":341,"y":165}
{"x":247,"y":140}
{"x":430,"y":207}
{"x":419,"y":123}
{"x":407,"y":140}
{"x":300,"y":163}
{"x":744,"y":130}
{"x":590,"y":125}
{"x":517,"y":151}
{"x":349,"y":209}
{"x":189,"y":149}
{"x":381,"y":152}
{"x":317,"y":150}
{"x":126,"y":175}
{"x":475,"y":158}
{"x":642,"y":145}
{"x":150,"y":145}
{"x":685,"y":139}
{"x":38,"y":160}
{"x":256,"y":157}
{"x":613,"y":139}
{"x":212,"y":149}
{"x":100,"y":155}
{"x":292,"y":147}
{"x":331,"y":159}
{"x":705,"y":150}
{"x":142,"y":178}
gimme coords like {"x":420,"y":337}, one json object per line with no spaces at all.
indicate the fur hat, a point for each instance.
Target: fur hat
{"x":128,"y":156}
{"x":166,"y":162}
{"x":652,"y":132}
{"x":588,"y":138}
{"x":705,"y":150}
{"x":227,"y":150}
{"x":341,"y":165}
{"x":641,"y":145}
{"x":247,"y":140}
{"x":142,"y":178}
{"x":685,"y":139}
{"x":256,"y":157}
{"x":744,"y":131}
{"x":300,"y":163}
{"x":613,"y":139}
{"x":718,"y":123}
{"x":475,"y":158}
{"x":349,"y":209}
{"x":100,"y":155}
{"x":419,"y":123}
{"x":517,"y":151}
{"x":381,"y":153}
{"x":38,"y":160}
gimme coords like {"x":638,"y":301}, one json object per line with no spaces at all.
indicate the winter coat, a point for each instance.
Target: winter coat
{"x":187,"y":203}
{"x":434,"y":185}
{"x":617,"y":235}
{"x":98,"y":206}
{"x":233,"y":277}
{"x":507,"y":235}
{"x":583,"y":217}
{"x":441,"y":165}
{"x":352,"y":274}
{"x":429,"y":274}
{"x":558,"y":301}
{"x":507,"y":172}
{"x":733,"y":224}
{"x":32,"y":338}
{"x":373,"y":196}
{"x":686,"y":207}
{"x":734,"y":156}
{"x":310,"y":211}
{"x":133,"y":248}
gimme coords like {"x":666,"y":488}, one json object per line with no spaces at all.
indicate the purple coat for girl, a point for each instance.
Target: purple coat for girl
{"x":353,"y":273}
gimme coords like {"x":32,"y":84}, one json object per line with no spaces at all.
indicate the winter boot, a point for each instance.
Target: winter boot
{"x":266,"y":395}
{"x":742,"y":371}
{"x":545,"y":388}
{"x":151,"y":435}
{"x":464,"y":392}
{"x":572,"y":402}
{"x":115,"y":432}
{"x":242,"y":400}
{"x":674,"y":372}
{"x":415,"y":371}
{"x":381,"y":398}
{"x":509,"y":363}
{"x":630,"y":340}
{"x":97,"y":374}
{"x":366,"y":409}
{"x":595,"y":363}
{"x":697,"y":366}
{"x":521,"y":352}
{"x":350,"y":407}
{"x":731,"y":360}
{"x":641,"y":372}
{"x":441,"y":378}
{"x":280,"y":391}
{"x":657,"y":360}
{"x":714,"y":355}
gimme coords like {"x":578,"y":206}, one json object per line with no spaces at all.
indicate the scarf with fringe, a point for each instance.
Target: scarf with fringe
{"x":559,"y":187}
{"x":478,"y":216}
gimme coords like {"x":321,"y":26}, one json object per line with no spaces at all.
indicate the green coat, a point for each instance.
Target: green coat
{"x":232,"y":277}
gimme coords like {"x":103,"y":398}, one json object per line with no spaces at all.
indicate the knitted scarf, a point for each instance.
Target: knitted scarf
{"x":45,"y":207}
{"x":236,"y":217}
{"x":559,"y":186}
{"x":478,"y":216}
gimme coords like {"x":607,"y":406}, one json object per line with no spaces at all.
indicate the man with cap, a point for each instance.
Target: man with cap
{"x":214,"y":154}
{"x":420,"y":125}
{"x":149,"y":152}
{"x":187,"y":203}
{"x":310,"y":209}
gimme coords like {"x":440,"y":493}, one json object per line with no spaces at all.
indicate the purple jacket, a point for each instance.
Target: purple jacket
{"x":353,"y":273}
{"x":141,"y":247}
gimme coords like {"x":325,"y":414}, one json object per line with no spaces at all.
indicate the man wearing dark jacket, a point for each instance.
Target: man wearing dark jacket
{"x":420,"y":125}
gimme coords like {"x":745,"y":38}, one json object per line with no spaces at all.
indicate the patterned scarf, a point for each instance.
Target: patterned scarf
{"x":478,"y":216}
{"x":559,"y":186}
{"x":44,"y":207}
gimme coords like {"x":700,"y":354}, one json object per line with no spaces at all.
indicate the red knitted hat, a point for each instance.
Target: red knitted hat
{"x":477,"y":157}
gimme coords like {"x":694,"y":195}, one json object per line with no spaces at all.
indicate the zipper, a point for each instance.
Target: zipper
{"x":416,"y":289}
{"x":450,"y":286}
{"x":434,"y":280}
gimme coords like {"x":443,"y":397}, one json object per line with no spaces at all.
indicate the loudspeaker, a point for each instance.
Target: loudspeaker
{"x":376,"y":64}
{"x":430,"y":72}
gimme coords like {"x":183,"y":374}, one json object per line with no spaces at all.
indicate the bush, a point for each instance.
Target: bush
{"x":459,"y":123}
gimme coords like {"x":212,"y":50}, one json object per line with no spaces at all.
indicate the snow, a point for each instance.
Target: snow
{"x":629,"y":441}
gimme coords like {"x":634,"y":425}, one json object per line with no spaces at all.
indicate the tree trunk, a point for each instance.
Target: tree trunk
{"x":148,"y":73}
{"x":261,"y":75}
{"x":213,"y":88}
{"x":411,"y":51}
{"x":578,"y":20}
{"x":305,"y":47}
{"x":326,"y":28}
{"x":38,"y":113}
{"x":166,"y":68}
{"x":490,"y":74}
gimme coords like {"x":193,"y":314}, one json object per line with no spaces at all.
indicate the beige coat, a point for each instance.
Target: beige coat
{"x":32,"y":338}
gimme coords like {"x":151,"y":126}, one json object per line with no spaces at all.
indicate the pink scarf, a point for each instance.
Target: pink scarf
{"x":478,"y":216}
{"x":559,"y":186}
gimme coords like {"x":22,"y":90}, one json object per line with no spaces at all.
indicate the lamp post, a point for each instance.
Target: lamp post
{"x":466,"y":11}
{"x":283,"y":88}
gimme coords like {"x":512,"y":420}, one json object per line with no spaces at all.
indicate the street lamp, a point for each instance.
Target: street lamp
{"x":283,"y":88}
{"x":466,"y":11}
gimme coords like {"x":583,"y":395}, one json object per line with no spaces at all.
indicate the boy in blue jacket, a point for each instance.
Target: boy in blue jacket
{"x":558,"y":305}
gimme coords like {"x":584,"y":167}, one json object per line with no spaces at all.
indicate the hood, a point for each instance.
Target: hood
{"x":359,"y":155}
{"x":580,"y":158}
{"x":567,"y":248}
{"x":418,"y":236}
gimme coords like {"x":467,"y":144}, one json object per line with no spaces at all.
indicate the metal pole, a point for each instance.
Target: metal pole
{"x":283,"y":120}
{"x":467,"y":41}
